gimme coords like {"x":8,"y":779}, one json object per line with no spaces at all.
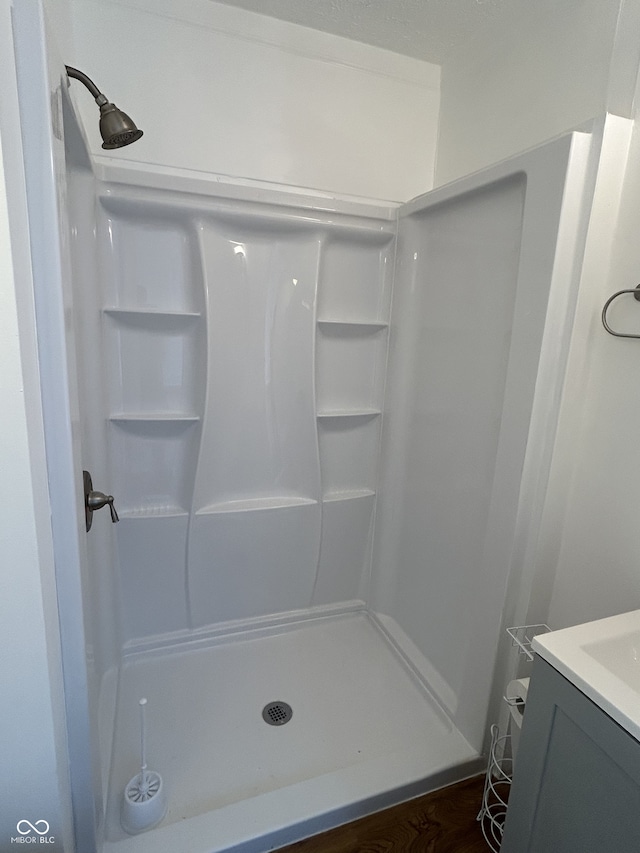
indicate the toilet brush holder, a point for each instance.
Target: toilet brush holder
{"x":144,"y":803}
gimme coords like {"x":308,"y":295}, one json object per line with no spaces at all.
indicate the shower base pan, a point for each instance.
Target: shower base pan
{"x":363,"y":734}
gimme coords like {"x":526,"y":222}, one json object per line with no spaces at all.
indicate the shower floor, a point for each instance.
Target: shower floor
{"x":364,"y":734}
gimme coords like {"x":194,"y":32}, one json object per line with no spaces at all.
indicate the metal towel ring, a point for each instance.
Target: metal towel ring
{"x":636,"y":295}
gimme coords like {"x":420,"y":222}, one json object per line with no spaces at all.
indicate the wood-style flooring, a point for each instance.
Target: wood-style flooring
{"x":441,"y":822}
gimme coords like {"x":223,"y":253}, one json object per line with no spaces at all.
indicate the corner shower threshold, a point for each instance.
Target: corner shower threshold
{"x":363,"y":736}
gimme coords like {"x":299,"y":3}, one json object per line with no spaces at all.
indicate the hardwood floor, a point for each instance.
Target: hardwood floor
{"x":441,"y":822}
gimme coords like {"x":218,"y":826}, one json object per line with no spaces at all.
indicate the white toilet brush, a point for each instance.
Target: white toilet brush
{"x":143,"y":802}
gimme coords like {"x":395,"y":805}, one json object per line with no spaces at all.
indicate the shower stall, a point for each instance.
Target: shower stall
{"x":327,"y":425}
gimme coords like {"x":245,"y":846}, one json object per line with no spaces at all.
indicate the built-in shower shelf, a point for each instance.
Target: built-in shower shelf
{"x":351,"y":328}
{"x":146,"y":316}
{"x":335,"y":414}
{"x":142,"y":513}
{"x":255,"y":504}
{"x":159,"y":417}
{"x":347,"y":495}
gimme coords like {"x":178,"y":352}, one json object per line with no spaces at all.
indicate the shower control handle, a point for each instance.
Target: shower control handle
{"x":94,"y":500}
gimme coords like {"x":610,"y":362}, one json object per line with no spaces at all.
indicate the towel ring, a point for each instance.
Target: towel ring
{"x":636,"y":295}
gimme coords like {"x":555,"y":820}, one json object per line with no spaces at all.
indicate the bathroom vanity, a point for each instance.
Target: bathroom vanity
{"x":576,"y":787}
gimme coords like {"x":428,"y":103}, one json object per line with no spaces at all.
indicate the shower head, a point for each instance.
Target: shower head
{"x":116,"y":128}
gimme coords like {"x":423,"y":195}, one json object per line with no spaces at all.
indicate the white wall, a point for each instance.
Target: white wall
{"x":541,"y":69}
{"x":59,"y":16}
{"x":33,"y":771}
{"x":29,"y":776}
{"x":223,"y":90}
{"x":546,"y":68}
{"x":598,"y":565}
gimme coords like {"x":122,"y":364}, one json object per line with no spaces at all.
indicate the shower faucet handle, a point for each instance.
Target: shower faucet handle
{"x":94,"y":500}
{"x":112,"y":509}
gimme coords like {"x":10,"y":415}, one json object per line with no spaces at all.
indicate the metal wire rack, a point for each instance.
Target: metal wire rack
{"x":522,"y":637}
{"x":496,"y":791}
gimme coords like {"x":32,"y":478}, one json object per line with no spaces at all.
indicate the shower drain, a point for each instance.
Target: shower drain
{"x":277,"y":713}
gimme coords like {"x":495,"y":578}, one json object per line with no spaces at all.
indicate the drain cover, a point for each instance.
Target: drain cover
{"x":277,"y":713}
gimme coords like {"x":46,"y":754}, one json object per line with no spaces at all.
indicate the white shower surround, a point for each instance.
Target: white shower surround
{"x":245,"y":346}
{"x":220,"y":296}
{"x":538,"y":266}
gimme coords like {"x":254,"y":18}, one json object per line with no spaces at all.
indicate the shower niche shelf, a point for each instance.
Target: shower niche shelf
{"x":348,"y":495}
{"x":255,"y":504}
{"x":350,"y":364}
{"x":336,"y":414}
{"x":150,"y":316}
{"x":149,"y":258}
{"x":145,"y":513}
{"x":156,"y":456}
{"x":355,"y":282}
{"x":348,"y":454}
{"x":351,"y":327}
{"x":153,"y":417}
{"x":157,"y":362}
{"x":154,"y":425}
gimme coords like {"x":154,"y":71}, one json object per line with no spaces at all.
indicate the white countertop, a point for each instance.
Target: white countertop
{"x":602,"y":659}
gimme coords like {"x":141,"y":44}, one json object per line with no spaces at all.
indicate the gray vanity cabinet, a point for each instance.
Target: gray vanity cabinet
{"x":576,"y":786}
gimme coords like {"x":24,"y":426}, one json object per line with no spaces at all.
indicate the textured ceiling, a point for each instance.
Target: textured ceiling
{"x":424,"y":29}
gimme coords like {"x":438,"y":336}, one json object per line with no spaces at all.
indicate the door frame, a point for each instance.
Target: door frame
{"x":41,"y":76}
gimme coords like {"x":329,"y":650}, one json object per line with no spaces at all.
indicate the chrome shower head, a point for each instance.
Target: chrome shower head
{"x":116,"y":128}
